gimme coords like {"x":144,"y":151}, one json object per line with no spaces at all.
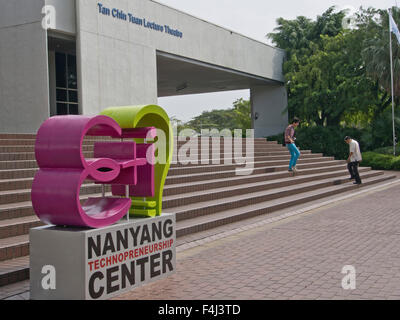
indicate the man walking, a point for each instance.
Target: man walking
{"x":290,"y":143}
{"x":354,"y":159}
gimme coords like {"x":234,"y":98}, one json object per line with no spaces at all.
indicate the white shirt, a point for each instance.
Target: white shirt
{"x":355,"y":149}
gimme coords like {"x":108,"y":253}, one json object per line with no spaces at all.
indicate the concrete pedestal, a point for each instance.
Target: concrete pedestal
{"x":91,"y":264}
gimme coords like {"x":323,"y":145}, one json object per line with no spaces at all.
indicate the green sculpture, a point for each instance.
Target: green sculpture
{"x":131,"y":117}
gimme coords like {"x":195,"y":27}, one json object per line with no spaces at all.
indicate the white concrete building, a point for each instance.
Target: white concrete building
{"x":81,"y":56}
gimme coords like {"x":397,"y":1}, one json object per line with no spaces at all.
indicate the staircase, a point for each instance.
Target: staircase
{"x":202,"y":196}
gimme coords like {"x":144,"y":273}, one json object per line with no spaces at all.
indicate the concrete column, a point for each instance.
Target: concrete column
{"x":24,"y":92}
{"x":111,"y":71}
{"x":268,"y":104}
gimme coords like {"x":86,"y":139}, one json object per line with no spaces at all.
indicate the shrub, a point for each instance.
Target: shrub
{"x":388,"y":150}
{"x":380,"y":161}
{"x":377,"y":161}
{"x":326,"y":140}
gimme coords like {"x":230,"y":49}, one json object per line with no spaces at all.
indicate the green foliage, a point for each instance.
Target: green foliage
{"x":339,"y":79}
{"x":337,"y":76}
{"x":376,"y":52}
{"x":326,"y":140}
{"x":317,"y":66}
{"x":380,"y":161}
{"x":388,"y":150}
{"x":380,"y":133}
{"x":238,"y":117}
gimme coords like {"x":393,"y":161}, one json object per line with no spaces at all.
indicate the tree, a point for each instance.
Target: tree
{"x":326,"y":75}
{"x":242,"y":114}
{"x":309,"y":80}
{"x":238,"y":117}
{"x":377,"y":52}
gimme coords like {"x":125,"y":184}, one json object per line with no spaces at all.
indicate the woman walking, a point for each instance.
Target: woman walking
{"x":290,"y":143}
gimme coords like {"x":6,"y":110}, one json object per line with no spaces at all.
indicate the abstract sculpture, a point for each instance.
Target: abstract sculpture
{"x":133,"y":118}
{"x":63,"y":168}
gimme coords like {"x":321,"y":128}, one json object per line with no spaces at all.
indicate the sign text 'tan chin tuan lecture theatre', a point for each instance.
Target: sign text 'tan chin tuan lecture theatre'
{"x":131,"y":18}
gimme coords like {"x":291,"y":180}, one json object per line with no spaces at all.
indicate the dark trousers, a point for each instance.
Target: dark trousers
{"x":353,"y":169}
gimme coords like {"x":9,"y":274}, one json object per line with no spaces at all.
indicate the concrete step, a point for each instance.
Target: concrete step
{"x":270,"y":189}
{"x":16,"y":210}
{"x":14,"y":247}
{"x":25,"y":183}
{"x":29,"y":164}
{"x":178,"y":149}
{"x":274,"y":179}
{"x":21,"y":195}
{"x":18,"y":226}
{"x":31,"y":148}
{"x":18,"y":136}
{"x":15,"y":164}
{"x":7,"y":174}
{"x":22,"y":209}
{"x":259,"y":182}
{"x":257,"y":158}
{"x":231,"y":198}
{"x":221,"y":156}
{"x":201,"y":223}
{"x":15,"y":196}
{"x":17,"y":269}
{"x":20,"y":184}
{"x":30,"y":156}
{"x":238,"y":148}
{"x":31,"y":139}
{"x":316,"y":167}
{"x":189,"y":169}
{"x":201,"y":195}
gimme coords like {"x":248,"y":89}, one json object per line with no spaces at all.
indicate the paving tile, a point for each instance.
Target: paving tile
{"x":302,"y":257}
{"x":314,"y":247}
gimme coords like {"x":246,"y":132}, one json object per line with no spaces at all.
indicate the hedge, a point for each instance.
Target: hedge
{"x":326,"y":140}
{"x":330,"y":142}
{"x":380,"y":161}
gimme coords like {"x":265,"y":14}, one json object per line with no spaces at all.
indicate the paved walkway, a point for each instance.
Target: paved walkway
{"x":299,"y":257}
{"x":293,"y":254}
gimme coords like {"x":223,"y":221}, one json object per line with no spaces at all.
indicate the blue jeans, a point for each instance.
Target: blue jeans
{"x":295,"y":154}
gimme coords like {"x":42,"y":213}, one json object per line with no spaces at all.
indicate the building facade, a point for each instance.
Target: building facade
{"x":81,"y":56}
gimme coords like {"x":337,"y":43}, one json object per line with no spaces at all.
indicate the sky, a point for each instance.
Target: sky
{"x":252,"y":18}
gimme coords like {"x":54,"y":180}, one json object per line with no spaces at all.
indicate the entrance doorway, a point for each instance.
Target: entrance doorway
{"x":63,"y":77}
{"x":66,"y":84}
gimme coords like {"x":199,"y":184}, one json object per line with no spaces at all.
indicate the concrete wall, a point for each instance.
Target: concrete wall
{"x":24,"y":93}
{"x":65,"y":15}
{"x":117,"y":59}
{"x":270,"y":104}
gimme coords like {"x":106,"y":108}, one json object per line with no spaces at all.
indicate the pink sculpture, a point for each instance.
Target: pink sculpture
{"x":63,"y":169}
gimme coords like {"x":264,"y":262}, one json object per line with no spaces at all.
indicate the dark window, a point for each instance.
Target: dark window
{"x":62,"y":95}
{"x":73,"y":109}
{"x":73,"y":96}
{"x":62,"y":109}
{"x":67,"y":84}
{"x":61,"y":70}
{"x":72,"y":74}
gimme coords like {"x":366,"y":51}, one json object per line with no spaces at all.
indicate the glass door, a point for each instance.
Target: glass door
{"x":66,"y":84}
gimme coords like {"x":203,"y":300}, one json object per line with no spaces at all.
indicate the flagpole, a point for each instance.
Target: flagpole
{"x":391,"y":73}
